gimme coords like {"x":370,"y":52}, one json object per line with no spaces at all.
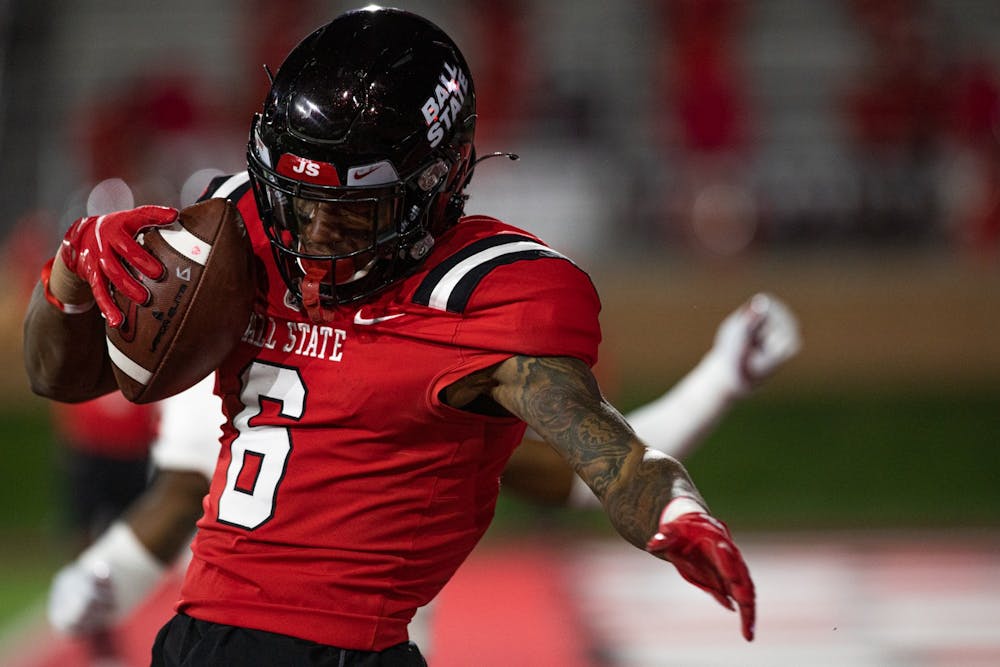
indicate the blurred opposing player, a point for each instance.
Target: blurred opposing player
{"x":110,"y":578}
{"x":103,"y":585}
{"x":104,"y":447}
{"x":398,"y":352}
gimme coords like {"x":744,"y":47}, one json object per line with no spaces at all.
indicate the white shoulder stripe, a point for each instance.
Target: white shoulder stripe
{"x":233,"y":183}
{"x":127,"y":366}
{"x":442,"y":291}
{"x":186,"y":243}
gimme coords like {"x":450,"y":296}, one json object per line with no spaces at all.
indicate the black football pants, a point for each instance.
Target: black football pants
{"x":189,"y":642}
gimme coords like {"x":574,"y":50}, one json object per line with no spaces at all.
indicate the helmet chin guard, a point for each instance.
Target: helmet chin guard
{"x":361,"y":154}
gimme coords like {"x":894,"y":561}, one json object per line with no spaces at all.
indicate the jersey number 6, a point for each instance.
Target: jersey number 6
{"x":258,"y":454}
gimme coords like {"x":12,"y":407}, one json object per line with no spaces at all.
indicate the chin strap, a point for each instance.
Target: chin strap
{"x":311,"y":301}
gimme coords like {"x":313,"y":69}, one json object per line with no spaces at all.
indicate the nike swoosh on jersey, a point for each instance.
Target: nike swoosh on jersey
{"x":368,"y":321}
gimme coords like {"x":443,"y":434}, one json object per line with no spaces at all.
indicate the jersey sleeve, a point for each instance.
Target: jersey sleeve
{"x":545,"y":306}
{"x":506,"y":293}
{"x":190,"y":428}
{"x":539,"y":307}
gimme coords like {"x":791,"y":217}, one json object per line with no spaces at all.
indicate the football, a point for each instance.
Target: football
{"x":196,"y":312}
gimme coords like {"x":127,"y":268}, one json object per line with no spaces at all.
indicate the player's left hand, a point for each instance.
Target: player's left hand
{"x":755,"y":340}
{"x":702,"y":550}
{"x":81,"y":600}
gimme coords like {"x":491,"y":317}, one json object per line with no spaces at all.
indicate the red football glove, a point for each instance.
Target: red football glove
{"x":702,"y":550}
{"x":94,"y":248}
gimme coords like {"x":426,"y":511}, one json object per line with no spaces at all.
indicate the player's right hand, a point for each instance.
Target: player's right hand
{"x":97,"y":248}
{"x":755,"y":340}
{"x":81,"y":600}
{"x":703,"y":551}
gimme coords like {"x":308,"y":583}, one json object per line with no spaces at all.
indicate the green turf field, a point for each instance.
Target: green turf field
{"x":814,"y":461}
{"x":30,"y":544}
{"x":895,"y":460}
{"x":778,"y":462}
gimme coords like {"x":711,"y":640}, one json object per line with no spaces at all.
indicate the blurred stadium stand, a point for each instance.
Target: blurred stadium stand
{"x":805,"y":182}
{"x":588,"y":84}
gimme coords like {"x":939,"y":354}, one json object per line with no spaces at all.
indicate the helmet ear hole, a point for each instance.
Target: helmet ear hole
{"x":432,"y":175}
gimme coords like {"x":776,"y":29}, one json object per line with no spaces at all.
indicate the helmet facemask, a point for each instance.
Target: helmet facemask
{"x":339,"y":244}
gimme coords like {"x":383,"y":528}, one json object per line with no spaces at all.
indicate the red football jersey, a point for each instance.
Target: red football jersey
{"x":346,"y":493}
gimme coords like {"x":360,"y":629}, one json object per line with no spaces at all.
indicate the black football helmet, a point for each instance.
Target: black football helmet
{"x":367,"y":132}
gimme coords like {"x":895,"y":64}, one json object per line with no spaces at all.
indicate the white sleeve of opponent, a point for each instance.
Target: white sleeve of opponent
{"x":103,"y":584}
{"x":750,"y":345}
{"x":190,"y":428}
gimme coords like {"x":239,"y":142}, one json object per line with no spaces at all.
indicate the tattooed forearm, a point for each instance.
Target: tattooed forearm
{"x":559,"y":398}
{"x":649,"y":480}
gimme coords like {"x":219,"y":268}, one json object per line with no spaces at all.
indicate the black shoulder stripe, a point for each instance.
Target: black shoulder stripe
{"x":462,"y":292}
{"x":231,"y":187}
{"x":465,"y":253}
{"x":450,"y":284}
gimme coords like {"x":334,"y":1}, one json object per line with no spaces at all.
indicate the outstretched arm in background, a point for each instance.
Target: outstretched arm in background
{"x":750,"y":345}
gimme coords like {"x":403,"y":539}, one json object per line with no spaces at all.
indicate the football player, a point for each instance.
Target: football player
{"x":405,"y":348}
{"x":108,"y":580}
